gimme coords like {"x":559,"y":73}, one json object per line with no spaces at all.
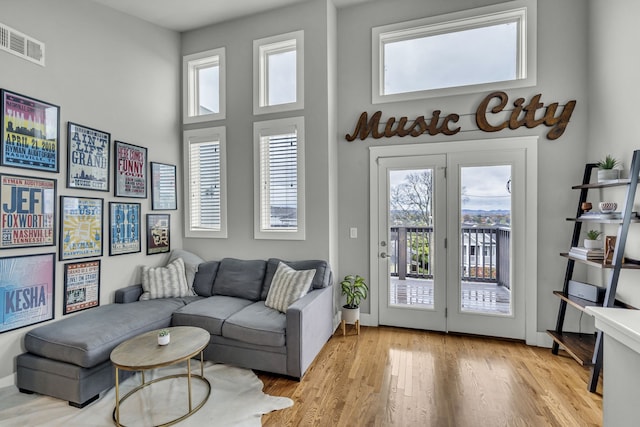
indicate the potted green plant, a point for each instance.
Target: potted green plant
{"x":355,"y":289}
{"x":591,"y":241}
{"x":606,"y":169}
{"x":164,"y":337}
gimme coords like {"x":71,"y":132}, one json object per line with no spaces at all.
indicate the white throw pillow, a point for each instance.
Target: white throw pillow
{"x":288,"y":286}
{"x":165,"y":282}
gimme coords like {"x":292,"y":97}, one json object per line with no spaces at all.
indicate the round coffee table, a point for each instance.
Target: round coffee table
{"x":142,"y":353}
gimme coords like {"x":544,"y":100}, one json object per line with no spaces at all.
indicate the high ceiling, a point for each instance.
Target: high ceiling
{"x":184,"y":15}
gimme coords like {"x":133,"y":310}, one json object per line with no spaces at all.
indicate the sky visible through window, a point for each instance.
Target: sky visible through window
{"x":485,"y":186}
{"x":208,"y":95}
{"x":479,"y":55}
{"x":282,"y":77}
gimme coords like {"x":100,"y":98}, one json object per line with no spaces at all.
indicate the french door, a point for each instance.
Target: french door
{"x":450,"y":251}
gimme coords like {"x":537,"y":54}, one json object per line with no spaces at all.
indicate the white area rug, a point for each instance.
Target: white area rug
{"x":236,"y":400}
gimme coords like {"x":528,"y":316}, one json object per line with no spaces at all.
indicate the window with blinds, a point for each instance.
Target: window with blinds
{"x":204,"y":155}
{"x":280,"y":199}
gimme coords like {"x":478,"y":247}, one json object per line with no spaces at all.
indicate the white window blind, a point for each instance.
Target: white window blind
{"x":204,"y":160}
{"x":279,"y":180}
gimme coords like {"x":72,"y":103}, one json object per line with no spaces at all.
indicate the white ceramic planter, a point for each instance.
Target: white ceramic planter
{"x":350,"y":315}
{"x":592,"y":244}
{"x":608,"y":174}
{"x":164,"y":339}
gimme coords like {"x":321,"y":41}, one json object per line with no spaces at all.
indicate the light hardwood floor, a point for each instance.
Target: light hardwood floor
{"x":400,"y":377}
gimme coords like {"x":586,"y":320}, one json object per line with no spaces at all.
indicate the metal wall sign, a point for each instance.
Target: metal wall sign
{"x":490,"y":116}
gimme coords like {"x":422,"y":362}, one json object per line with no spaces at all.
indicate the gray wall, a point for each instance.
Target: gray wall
{"x":613,"y":126}
{"x":110,"y":72}
{"x":317,"y":19}
{"x":562,"y":76}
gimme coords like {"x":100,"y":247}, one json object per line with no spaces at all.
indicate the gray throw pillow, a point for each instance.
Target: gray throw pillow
{"x":288,"y":286}
{"x":164,"y":282}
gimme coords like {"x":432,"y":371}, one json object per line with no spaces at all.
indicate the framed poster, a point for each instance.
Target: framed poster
{"x":124,"y":228}
{"x":131,"y":170}
{"x":163,"y":187}
{"x":27,"y":290}
{"x":81,"y":286}
{"x":27,"y":209}
{"x":158,"y":236}
{"x":80,"y":227}
{"x":88,"y":152}
{"x":30,"y":133}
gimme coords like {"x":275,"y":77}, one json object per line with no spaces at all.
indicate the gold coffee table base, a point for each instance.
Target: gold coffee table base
{"x":168,"y":377}
{"x":143,"y":353}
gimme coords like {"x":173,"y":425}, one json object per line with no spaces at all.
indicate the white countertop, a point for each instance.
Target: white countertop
{"x":619,"y":323}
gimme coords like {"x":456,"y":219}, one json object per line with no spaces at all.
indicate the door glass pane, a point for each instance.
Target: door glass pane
{"x":411,"y":234}
{"x":485,"y":232}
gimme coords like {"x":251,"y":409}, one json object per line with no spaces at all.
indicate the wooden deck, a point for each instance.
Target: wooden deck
{"x":483,"y":297}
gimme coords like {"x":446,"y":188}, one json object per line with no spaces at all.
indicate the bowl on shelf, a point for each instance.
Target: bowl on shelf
{"x":607,"y":207}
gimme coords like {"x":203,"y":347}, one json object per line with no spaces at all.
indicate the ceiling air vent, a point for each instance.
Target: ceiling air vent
{"x":21,"y":45}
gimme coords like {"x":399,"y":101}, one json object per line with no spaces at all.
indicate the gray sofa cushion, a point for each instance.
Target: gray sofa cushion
{"x":209,"y":313}
{"x":84,"y":340}
{"x":240,"y":278}
{"x":257,"y":324}
{"x":322,"y":278}
{"x":205,"y":276}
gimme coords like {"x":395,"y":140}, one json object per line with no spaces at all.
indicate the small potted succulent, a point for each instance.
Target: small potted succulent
{"x":606,"y":169}
{"x":591,"y":241}
{"x":355,"y":289}
{"x":164,"y":337}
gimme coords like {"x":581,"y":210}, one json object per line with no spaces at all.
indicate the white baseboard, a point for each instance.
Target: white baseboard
{"x":8,"y":380}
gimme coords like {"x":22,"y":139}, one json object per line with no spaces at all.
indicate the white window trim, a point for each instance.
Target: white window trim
{"x":259,"y":73}
{"x":189,"y":65}
{"x":275,"y":127}
{"x":526,"y":9}
{"x":203,"y":135}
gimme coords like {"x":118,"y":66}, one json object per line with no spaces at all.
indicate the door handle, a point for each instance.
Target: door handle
{"x":384,"y":255}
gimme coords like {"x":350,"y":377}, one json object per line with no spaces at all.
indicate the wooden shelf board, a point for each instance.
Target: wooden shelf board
{"x":581,"y":303}
{"x":576,"y":302}
{"x":619,"y":183}
{"x":600,"y":264}
{"x":603,"y":221}
{"x":579,"y":346}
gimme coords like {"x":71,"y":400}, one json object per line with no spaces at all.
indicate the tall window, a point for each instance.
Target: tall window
{"x":279,"y":73}
{"x":205,"y":184}
{"x":204,"y":86}
{"x":279,"y":183}
{"x":471,"y":51}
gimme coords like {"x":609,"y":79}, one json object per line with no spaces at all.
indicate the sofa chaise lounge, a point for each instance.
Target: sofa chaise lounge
{"x":69,"y":359}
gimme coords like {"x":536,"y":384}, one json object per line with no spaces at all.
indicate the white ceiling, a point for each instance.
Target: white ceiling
{"x":184,"y":15}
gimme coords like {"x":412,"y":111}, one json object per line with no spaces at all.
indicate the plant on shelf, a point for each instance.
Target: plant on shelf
{"x":591,"y":241}
{"x":606,"y":169}
{"x":355,"y":289}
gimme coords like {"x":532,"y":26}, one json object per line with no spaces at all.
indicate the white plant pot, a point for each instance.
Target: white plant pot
{"x":592,"y":244}
{"x":350,"y":315}
{"x":608,"y":174}
{"x":164,"y":339}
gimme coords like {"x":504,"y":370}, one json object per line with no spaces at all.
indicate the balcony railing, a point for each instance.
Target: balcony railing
{"x":484,"y":251}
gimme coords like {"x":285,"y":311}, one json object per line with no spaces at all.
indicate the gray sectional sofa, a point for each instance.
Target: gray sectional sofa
{"x":69,"y":359}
